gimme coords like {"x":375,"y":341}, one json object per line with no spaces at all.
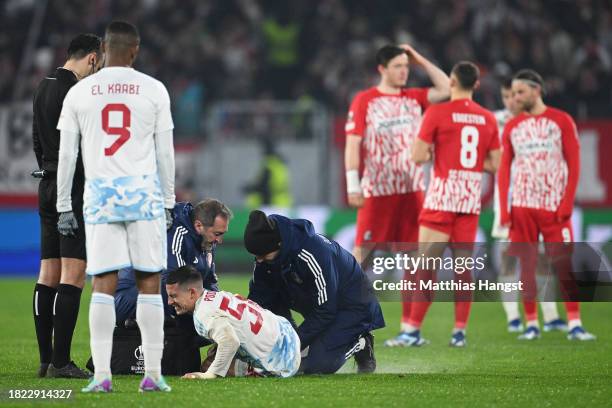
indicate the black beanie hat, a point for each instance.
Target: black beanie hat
{"x":261,"y":235}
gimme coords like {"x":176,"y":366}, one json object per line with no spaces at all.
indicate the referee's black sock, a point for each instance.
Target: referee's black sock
{"x":64,"y":321}
{"x":42,"y":309}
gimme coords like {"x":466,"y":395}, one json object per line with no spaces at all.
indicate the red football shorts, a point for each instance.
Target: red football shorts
{"x":392,"y":218}
{"x":460,"y":227}
{"x":528,"y":223}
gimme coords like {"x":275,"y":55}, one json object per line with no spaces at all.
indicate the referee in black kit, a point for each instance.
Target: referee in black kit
{"x":57,"y":293}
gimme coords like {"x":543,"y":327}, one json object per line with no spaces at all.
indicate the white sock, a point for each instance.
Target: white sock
{"x":408,"y":328}
{"x":549,"y":311}
{"x":512,"y":310}
{"x":150,"y":319}
{"x":101,"y":327}
{"x":574,"y":323}
{"x":512,"y":296}
{"x":457,"y":330}
{"x":533,"y":323}
{"x":546,"y":287}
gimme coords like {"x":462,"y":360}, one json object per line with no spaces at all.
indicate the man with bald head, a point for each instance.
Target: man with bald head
{"x":122,"y":119}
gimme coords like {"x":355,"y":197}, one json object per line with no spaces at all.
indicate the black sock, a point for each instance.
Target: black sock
{"x":42,"y":309}
{"x":64,"y":321}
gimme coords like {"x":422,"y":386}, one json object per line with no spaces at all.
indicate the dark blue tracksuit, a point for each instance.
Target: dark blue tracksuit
{"x":324,"y":283}
{"x":184,"y":247}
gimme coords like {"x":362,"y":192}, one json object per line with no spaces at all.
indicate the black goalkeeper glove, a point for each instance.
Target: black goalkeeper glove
{"x":169,"y":218}
{"x":67,"y":224}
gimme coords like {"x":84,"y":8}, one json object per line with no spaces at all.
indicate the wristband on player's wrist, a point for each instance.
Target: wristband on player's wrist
{"x":353,"y":185}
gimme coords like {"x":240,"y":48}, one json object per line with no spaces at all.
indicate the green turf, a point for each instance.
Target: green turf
{"x":494,"y":370}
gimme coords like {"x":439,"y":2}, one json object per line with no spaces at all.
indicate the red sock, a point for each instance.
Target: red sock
{"x":531,"y":310}
{"x":421,"y":300}
{"x":528,"y":259}
{"x":417,"y":313}
{"x":573,"y":310}
{"x":406,"y":299}
{"x":563,"y":268}
{"x":462,"y":313}
{"x":463,"y":302}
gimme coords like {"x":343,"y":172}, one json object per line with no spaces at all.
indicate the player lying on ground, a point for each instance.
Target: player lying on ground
{"x":238,"y":326}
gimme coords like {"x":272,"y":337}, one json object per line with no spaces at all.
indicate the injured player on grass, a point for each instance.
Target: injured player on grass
{"x":248,"y":338}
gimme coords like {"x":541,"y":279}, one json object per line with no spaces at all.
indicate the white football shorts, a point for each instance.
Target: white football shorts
{"x":140,"y":244}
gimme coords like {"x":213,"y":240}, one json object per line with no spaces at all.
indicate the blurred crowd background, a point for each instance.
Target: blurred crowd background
{"x":322,"y":50}
{"x":260,"y":90}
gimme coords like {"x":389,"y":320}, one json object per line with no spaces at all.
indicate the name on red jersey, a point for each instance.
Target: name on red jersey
{"x":468,"y":118}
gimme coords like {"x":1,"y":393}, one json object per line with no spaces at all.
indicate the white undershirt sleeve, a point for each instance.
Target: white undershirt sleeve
{"x":222,"y":333}
{"x":68,"y":153}
{"x":164,"y":150}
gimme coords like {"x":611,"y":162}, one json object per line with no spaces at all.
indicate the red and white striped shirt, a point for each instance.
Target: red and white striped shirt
{"x":388,"y":125}
{"x":540,"y":150}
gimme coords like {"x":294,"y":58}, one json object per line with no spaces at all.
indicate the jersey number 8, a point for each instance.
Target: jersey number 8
{"x":123,"y":132}
{"x":469,"y":147}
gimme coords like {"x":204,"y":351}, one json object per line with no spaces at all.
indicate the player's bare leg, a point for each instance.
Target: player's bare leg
{"x":42,"y":307}
{"x":101,"y":327}
{"x":50,"y":272}
{"x":360,"y":253}
{"x":150,"y":319}
{"x":73,"y":272}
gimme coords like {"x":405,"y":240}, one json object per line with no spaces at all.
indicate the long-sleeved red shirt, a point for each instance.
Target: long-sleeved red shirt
{"x":543,"y":153}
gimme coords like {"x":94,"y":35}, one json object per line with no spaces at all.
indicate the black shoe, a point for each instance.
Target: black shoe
{"x":42,"y":370}
{"x":70,"y":370}
{"x":366,"y":362}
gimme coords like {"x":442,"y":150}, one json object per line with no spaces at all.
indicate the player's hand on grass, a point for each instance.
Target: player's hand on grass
{"x":199,"y":376}
{"x":169,"y":218}
{"x":67,"y":224}
{"x":355,"y":200}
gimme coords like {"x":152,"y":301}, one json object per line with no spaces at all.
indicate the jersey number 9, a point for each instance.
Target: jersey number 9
{"x":123,"y":132}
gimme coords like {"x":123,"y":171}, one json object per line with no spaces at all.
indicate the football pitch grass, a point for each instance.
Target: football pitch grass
{"x":494,"y":369}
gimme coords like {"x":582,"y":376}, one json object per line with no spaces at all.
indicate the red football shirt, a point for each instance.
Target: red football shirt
{"x":388,"y":125}
{"x":544,"y":154}
{"x":462,"y":133}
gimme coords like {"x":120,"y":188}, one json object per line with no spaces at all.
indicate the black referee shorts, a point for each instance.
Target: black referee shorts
{"x":52,"y":243}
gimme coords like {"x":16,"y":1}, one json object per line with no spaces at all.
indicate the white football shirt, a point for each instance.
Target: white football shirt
{"x":125,"y":126}
{"x":266,"y":340}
